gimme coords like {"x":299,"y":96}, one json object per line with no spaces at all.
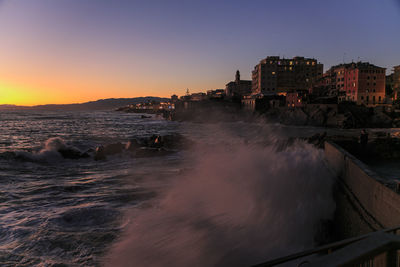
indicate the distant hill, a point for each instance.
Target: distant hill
{"x":101,"y":104}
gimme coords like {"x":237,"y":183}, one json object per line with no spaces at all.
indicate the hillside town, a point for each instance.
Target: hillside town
{"x":294,"y":91}
{"x":297,"y":91}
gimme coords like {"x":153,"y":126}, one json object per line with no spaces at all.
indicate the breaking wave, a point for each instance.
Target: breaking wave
{"x":241,"y":204}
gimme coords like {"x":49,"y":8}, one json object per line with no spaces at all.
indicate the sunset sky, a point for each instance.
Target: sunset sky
{"x":68,"y":51}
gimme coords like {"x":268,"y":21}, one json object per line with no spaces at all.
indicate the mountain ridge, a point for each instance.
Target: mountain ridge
{"x":100,"y":104}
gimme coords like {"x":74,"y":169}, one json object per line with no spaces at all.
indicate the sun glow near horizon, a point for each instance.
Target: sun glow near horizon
{"x":13,"y":94}
{"x":74,"y":51}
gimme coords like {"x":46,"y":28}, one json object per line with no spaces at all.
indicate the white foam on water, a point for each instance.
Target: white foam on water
{"x":239,"y":205}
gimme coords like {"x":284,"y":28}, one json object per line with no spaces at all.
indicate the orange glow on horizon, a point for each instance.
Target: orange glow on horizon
{"x":22,"y":95}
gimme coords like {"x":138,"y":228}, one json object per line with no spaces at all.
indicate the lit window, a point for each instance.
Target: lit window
{"x":308,"y":62}
{"x":291,"y":62}
{"x":273,"y":73}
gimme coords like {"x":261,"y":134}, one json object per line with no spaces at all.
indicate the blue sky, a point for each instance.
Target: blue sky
{"x":160,"y":47}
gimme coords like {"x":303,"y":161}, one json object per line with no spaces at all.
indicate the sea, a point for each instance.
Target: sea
{"x":234,"y":197}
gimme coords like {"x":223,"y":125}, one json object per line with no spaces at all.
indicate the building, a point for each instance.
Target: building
{"x":174,"y":98}
{"x":198,"y":97}
{"x":396,"y":82}
{"x":216,"y":94}
{"x":238,"y":88}
{"x":262,"y":103}
{"x":279,"y":75}
{"x":324,"y":86}
{"x":360,"y":82}
{"x":296,"y":99}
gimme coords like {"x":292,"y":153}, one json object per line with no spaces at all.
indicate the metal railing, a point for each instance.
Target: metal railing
{"x":362,"y":250}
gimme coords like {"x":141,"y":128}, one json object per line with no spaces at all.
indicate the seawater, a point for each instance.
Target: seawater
{"x":236,"y":197}
{"x":60,"y":211}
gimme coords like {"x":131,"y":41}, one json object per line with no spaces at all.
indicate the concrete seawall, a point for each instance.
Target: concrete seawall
{"x":364,"y":203}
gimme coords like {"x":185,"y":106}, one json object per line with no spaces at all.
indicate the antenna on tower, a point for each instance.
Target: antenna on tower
{"x":344,"y":57}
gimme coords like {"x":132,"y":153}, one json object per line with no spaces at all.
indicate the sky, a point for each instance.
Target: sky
{"x":72,"y":51}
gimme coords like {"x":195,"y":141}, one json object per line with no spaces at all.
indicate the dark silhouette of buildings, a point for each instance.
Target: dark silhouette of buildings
{"x":279,"y":75}
{"x":238,"y":88}
{"x":396,"y":82}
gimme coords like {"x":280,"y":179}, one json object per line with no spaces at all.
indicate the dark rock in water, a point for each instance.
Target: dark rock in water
{"x":100,"y":153}
{"x":70,"y":153}
{"x":171,"y":141}
{"x":132,"y":145}
{"x":155,"y":141}
{"x":103,"y":151}
{"x":145,"y":117}
{"x":90,"y":150}
{"x":112,"y":149}
{"x":85,"y":155}
{"x":152,"y":152}
{"x":8,"y":155}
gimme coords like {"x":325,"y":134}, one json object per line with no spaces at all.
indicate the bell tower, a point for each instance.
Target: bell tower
{"x":237,"y":79}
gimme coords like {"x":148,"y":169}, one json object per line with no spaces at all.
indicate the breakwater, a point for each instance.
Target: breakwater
{"x":364,"y":202}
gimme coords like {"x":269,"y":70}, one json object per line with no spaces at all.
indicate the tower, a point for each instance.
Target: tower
{"x":237,"y":80}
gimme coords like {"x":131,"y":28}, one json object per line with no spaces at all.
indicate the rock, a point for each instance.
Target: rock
{"x":113,"y":149}
{"x":132,"y":145}
{"x":294,"y":116}
{"x":175,"y":141}
{"x":380,"y":119}
{"x":100,"y":153}
{"x":70,"y":153}
{"x":317,"y":117}
{"x":396,"y":123}
{"x":151,"y":152}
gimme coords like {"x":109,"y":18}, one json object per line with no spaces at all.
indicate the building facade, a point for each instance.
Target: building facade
{"x":360,"y":82}
{"x":238,"y":88}
{"x":296,"y":99}
{"x":396,"y":82}
{"x":279,"y":75}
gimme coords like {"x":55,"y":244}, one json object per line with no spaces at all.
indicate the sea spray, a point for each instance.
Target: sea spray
{"x":239,"y":205}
